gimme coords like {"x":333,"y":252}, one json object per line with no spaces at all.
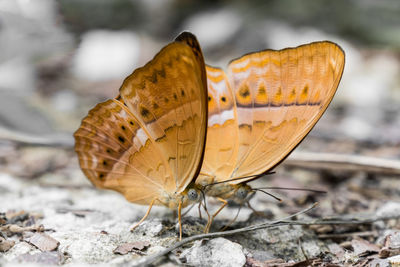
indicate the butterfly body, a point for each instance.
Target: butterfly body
{"x":235,"y":192}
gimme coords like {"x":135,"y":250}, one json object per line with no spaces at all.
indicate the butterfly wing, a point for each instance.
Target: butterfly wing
{"x":222,"y":134}
{"x":169,"y":98}
{"x":115,"y":153}
{"x":280,"y":96}
{"x":150,"y":140}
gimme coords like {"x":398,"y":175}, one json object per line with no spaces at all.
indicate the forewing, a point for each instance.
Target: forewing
{"x":280,"y":95}
{"x":168,"y":96}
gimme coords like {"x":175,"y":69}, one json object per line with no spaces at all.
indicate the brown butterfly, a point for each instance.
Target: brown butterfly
{"x":148,"y":143}
{"x":260,"y":110}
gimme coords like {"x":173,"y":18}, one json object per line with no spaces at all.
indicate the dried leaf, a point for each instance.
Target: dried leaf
{"x":43,"y":242}
{"x":129,"y":247}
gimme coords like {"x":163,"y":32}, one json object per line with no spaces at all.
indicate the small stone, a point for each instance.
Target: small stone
{"x":217,"y":252}
{"x":394,"y":261}
{"x":150,"y":228}
{"x":389,"y":209}
{"x":5,"y":245}
{"x":42,"y":258}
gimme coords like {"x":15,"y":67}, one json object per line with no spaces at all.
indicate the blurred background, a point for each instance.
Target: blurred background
{"x":59,"y":58}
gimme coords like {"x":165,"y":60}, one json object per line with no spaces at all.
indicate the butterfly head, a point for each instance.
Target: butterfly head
{"x":192,"y":194}
{"x":242,"y":193}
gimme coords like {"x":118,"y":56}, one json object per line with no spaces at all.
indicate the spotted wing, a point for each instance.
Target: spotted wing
{"x":168,"y":96}
{"x":222,"y":134}
{"x":116,"y":153}
{"x":150,"y":140}
{"x":280,"y":96}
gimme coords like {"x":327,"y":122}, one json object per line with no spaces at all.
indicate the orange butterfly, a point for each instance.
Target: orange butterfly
{"x":260,"y":110}
{"x":148,"y":143}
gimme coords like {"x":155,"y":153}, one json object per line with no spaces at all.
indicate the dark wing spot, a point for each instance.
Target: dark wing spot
{"x":305,"y":90}
{"x":209,"y":98}
{"x":121,"y":139}
{"x":183,"y":93}
{"x":261,"y":90}
{"x":123,"y":128}
{"x":175,"y":97}
{"x":166,"y":100}
{"x":101,"y":176}
{"x":144,"y":112}
{"x":108,"y":151}
{"x":104,"y":162}
{"x":131,"y":123}
{"x":223,"y":99}
{"x":154,"y":77}
{"x":155,"y":106}
{"x":244,"y":92}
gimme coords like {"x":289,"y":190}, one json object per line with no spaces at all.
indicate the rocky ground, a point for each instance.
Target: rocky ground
{"x":55,"y":216}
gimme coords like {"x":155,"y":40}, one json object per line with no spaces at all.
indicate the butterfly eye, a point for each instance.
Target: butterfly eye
{"x":241,"y":193}
{"x":192,"y":194}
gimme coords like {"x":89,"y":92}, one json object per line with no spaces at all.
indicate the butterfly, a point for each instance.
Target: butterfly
{"x":260,"y":110}
{"x":148,"y":143}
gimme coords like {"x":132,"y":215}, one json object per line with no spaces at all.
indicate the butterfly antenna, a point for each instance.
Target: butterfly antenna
{"x":293,"y":189}
{"x":230,"y":180}
{"x":253,"y":177}
{"x":269,"y":194}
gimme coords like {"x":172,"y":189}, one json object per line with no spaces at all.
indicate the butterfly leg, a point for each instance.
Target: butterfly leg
{"x":233,"y":220}
{"x":145,"y":216}
{"x":180,"y":220}
{"x":255,"y":211}
{"x":199,"y":209}
{"x":210,"y":220}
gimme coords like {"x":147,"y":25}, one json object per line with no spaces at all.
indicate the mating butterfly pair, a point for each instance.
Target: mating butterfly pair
{"x":179,"y":126}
